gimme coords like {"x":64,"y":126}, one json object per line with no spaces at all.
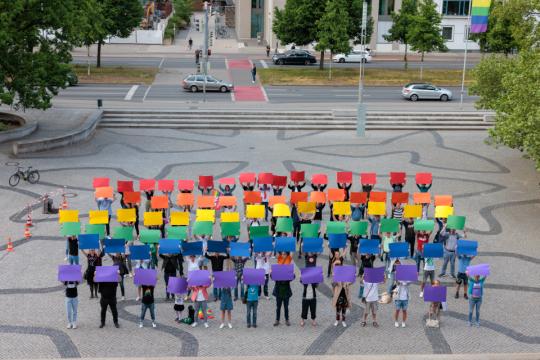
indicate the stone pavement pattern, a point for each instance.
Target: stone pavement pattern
{"x":496,"y":188}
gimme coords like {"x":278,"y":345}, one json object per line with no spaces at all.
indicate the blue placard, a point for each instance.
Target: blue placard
{"x":399,"y":249}
{"x":192,"y":248}
{"x":88,"y":241}
{"x":169,"y":246}
{"x":240,"y":249}
{"x":139,"y":252}
{"x":337,"y":241}
{"x":433,"y":250}
{"x":263,"y":244}
{"x":312,"y":245}
{"x":285,"y":244}
{"x":369,"y":246}
{"x":467,"y":247}
{"x":217,"y":246}
{"x":113,"y":246}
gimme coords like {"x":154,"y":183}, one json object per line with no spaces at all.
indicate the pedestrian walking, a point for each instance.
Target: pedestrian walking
{"x":254,"y":76}
{"x":190,"y":43}
{"x":267,"y":50}
{"x":197,"y":56}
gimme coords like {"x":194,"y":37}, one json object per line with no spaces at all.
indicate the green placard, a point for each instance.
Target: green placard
{"x":309,"y":230}
{"x":177,"y":232}
{"x":203,"y":228}
{"x":70,"y":228}
{"x":455,"y":222}
{"x":335,"y":227}
{"x":95,"y":229}
{"x":258,"y":231}
{"x":123,"y":232}
{"x":284,"y":225}
{"x":230,"y":229}
{"x":358,"y":228}
{"x":390,"y":225}
{"x":424,"y":225}
{"x":150,"y":236}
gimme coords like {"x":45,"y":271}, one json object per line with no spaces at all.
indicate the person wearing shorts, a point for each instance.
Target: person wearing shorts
{"x":401,"y":302}
{"x":370,"y":299}
{"x":429,"y":273}
{"x":462,"y":278}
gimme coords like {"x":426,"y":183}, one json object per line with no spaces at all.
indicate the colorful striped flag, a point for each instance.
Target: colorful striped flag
{"x":479,"y":15}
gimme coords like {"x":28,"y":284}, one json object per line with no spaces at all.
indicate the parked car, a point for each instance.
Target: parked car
{"x":294,"y":57}
{"x":72,"y":79}
{"x":353,"y":56}
{"x":195,"y":83}
{"x":416,"y":91}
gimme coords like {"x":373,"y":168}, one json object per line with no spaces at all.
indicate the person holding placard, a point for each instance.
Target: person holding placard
{"x":226,"y":307}
{"x":296,"y":186}
{"x":341,"y":301}
{"x":199,"y":296}
{"x":282,"y":292}
{"x":262,"y":261}
{"x":424,"y":188}
{"x":449,"y":238}
{"x":309,"y":303}
{"x":178,"y":307}
{"x":397,"y":211}
{"x":422,"y":238}
{"x":72,"y":303}
{"x":370,"y":299}
{"x":354,"y":241}
{"x":94,"y":259}
{"x":141,"y":264}
{"x":216,"y":262}
{"x":346,"y":187}
{"x":401,"y":302}
{"x":136,"y":223}
{"x":72,"y":250}
{"x":476,"y":292}
{"x":251,"y":297}
{"x":108,"y":299}
{"x":429,"y":273}
{"x":170,"y":265}
{"x":284,"y":258}
{"x":434,"y":313}
{"x":147,"y":303}
{"x":336,"y":258}
{"x":375,"y":227}
{"x":106,"y":204}
{"x":239,"y":264}
{"x":408,"y":233}
{"x":120,"y":261}
{"x":391,"y":271}
{"x":148,"y":203}
{"x":462,"y":278}
{"x":227,"y":190}
{"x":387,"y":239}
{"x":366,"y":261}
{"x":310,"y":259}
{"x":265,"y":192}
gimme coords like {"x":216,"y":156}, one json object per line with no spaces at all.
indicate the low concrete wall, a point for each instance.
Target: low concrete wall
{"x":27,"y":127}
{"x":83,"y":133}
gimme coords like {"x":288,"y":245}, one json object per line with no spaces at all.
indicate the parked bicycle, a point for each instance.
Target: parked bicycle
{"x":32,"y":176}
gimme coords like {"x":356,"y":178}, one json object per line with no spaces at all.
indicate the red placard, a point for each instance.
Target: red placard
{"x":368,"y":178}
{"x":123,"y":186}
{"x":159,"y":202}
{"x":206,"y":181}
{"x":299,"y":196}
{"x":319,"y":179}
{"x":100,"y":182}
{"x":186,"y":185}
{"x":266,"y":178}
{"x":165,"y":185}
{"x":279,"y":181}
{"x":344,"y":177}
{"x":132,"y":197}
{"x":298,"y":176}
{"x":400,"y":198}
{"x":336,"y":194}
{"x":377,"y":196}
{"x":358,"y":197}
{"x":398,"y":178}
{"x":227,"y":181}
{"x":252,"y":197}
{"x":147,"y":185}
{"x":247,"y":177}
{"x":424,"y":178}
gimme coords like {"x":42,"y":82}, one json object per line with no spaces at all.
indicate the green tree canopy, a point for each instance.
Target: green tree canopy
{"x":425,"y":32}
{"x":401,"y":23}
{"x":333,"y":28}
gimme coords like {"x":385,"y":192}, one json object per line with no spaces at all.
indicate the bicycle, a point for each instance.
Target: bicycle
{"x":32,"y":176}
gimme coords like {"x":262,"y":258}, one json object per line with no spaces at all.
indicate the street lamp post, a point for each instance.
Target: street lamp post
{"x":205,"y":55}
{"x":361,"y":110}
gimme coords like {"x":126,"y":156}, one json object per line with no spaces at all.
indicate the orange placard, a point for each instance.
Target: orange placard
{"x":358,"y":197}
{"x":104,"y":192}
{"x":336,"y":194}
{"x":206,"y":202}
{"x":377,"y":196}
{"x":276,"y":199}
{"x":160,"y":202}
{"x":421,"y":198}
{"x":185,"y":199}
{"x":297,"y":196}
{"x":132,"y":197}
{"x":318,"y":197}
{"x":444,"y":200}
{"x":252,"y":197}
{"x":227,"y":201}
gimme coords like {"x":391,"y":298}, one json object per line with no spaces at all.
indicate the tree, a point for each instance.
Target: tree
{"x":36,"y":38}
{"x":425,"y":32}
{"x":401,"y":22}
{"x":355,"y":22}
{"x":91,"y":30}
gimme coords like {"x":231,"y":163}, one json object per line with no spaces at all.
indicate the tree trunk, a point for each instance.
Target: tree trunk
{"x":321,"y":63}
{"x":88,"y":58}
{"x":405,"y":56}
{"x":98,"y":62}
{"x":330,"y":68}
{"x":422,"y":67}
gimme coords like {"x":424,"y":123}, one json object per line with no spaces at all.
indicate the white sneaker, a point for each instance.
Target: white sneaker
{"x":68,"y":326}
{"x":344,"y":324}
{"x":229,"y":325}
{"x":336,"y":323}
{"x":206,"y":325}
{"x":65,"y":259}
{"x":154,"y":324}
{"x":74,"y":326}
{"x":194,"y":324}
{"x":140,"y":324}
{"x":403,"y":324}
{"x":123,"y":298}
{"x":138,"y":298}
{"x":396,"y":324}
{"x":222,"y":325}
{"x":421,"y":294}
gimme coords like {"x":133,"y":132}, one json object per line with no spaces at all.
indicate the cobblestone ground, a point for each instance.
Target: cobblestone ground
{"x":496,"y":188}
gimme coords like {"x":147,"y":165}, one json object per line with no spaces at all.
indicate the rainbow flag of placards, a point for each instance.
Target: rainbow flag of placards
{"x":480,"y":13}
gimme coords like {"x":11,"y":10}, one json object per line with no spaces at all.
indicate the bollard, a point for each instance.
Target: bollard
{"x":99,"y":103}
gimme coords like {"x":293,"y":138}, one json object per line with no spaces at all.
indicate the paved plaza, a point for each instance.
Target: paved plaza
{"x":496,"y":188}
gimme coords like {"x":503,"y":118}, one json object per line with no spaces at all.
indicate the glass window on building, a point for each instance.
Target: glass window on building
{"x":257,"y":18}
{"x":456,"y":7}
{"x":386,"y":7}
{"x":448,"y":33}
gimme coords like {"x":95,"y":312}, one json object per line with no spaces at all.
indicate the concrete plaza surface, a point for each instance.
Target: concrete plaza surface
{"x":495,"y":188}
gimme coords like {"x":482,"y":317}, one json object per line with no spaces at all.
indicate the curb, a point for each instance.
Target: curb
{"x":27,"y":127}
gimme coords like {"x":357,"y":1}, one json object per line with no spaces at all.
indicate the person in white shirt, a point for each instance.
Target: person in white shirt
{"x":370,"y":299}
{"x":429,"y":272}
{"x":401,"y":302}
{"x":262,"y":261}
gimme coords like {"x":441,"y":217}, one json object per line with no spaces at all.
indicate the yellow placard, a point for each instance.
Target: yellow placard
{"x":255,"y":211}
{"x":281,"y":210}
{"x":481,"y":3}
{"x":98,"y":217}
{"x":376,"y":208}
{"x":305,"y":207}
{"x":153,"y":218}
{"x":125,"y":215}
{"x":230,"y":217}
{"x":180,"y":218}
{"x":443,"y":211}
{"x":343,"y":208}
{"x":68,"y":216}
{"x":205,"y":215}
{"x":412,"y":211}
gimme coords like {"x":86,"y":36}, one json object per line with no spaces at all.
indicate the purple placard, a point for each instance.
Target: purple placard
{"x":345,"y":273}
{"x":224,"y":279}
{"x":282,"y":272}
{"x":254,"y":276}
{"x":199,"y":278}
{"x":435,"y":294}
{"x":69,"y":273}
{"x":480,"y":270}
{"x":177,"y":285}
{"x":145,"y":277}
{"x":311,"y":275}
{"x":106,"y":274}
{"x":374,"y":275}
{"x":406,"y":273}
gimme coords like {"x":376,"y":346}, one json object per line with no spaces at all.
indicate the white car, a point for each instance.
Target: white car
{"x":353,"y":56}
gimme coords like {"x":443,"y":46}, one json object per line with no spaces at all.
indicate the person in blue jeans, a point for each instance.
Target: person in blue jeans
{"x":72,"y":302}
{"x":252,"y":301}
{"x":449,"y":238}
{"x":476,"y":292}
{"x":239,"y":264}
{"x":147,"y":303}
{"x":72,"y":250}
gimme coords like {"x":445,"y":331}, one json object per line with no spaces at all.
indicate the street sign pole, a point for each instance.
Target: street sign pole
{"x":361,"y":110}
{"x":205,"y":55}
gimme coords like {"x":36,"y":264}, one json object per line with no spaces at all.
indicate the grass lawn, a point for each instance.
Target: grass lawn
{"x":349,"y":76}
{"x":115,"y":75}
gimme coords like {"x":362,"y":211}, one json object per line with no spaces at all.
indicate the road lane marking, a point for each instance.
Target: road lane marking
{"x":161,"y":63}
{"x":264,"y":64}
{"x":264,"y":93}
{"x":131,"y":92}
{"x":146,"y":93}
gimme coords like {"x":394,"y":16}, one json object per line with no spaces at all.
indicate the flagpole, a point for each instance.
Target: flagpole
{"x":467,"y":33}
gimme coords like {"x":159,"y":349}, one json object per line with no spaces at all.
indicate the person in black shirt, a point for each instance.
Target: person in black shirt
{"x":309,"y":302}
{"x":310,"y":259}
{"x":170,"y":265}
{"x":108,"y":298}
{"x":148,"y":303}
{"x":366,"y":261}
{"x":354,"y":240}
{"x":282,"y":292}
{"x":73,"y":250}
{"x":216,"y":261}
{"x":94,"y":259}
{"x":72,"y":302}
{"x":408,"y":231}
{"x":346,"y":187}
{"x":296,"y":186}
